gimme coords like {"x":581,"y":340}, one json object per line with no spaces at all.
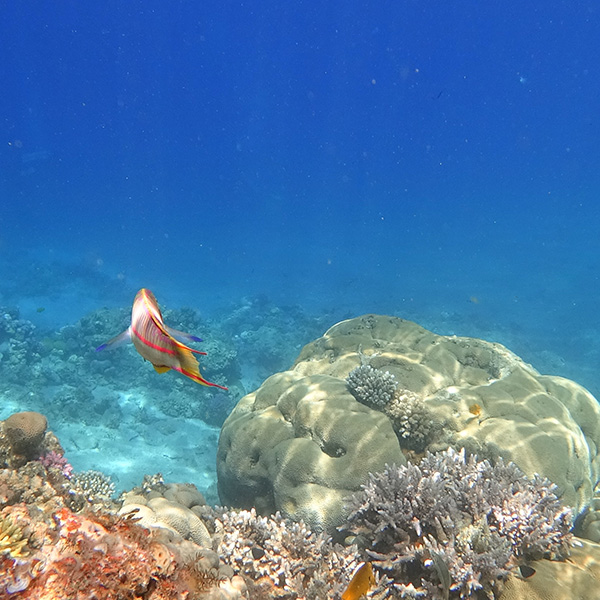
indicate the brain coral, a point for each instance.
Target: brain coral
{"x":302,"y":443}
{"x":25,"y":432}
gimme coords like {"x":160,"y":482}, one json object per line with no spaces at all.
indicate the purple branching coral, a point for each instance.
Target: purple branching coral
{"x":452,"y":526}
{"x":54,"y":460}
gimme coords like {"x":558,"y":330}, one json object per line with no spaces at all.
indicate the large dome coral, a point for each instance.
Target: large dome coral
{"x":303,"y":442}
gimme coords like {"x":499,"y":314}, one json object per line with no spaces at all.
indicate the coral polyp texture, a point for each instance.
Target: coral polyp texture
{"x":375,"y":390}
{"x":452,"y":523}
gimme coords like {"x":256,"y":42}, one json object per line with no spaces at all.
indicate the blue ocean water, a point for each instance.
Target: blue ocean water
{"x":287,"y":165}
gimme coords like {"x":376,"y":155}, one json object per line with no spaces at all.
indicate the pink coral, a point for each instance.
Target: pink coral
{"x":55,"y":460}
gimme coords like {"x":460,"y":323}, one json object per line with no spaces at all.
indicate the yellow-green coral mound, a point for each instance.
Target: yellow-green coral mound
{"x":300,"y":445}
{"x":302,"y":442}
{"x":575,"y":579}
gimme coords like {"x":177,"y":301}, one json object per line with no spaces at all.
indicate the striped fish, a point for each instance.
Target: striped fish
{"x":157,"y":343}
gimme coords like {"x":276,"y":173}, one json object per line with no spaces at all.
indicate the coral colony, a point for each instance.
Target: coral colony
{"x":457,"y":523}
{"x":442,"y":526}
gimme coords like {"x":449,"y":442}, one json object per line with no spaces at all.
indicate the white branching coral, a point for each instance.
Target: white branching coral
{"x":413,"y":422}
{"x":410,"y":417}
{"x":93,"y":485}
{"x":453,"y":524}
{"x":370,"y":386}
{"x":295,"y":562}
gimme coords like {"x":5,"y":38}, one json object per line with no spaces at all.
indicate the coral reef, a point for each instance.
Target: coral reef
{"x":62,"y":537}
{"x":302,"y":442}
{"x":165,"y":542}
{"x":100,"y":556}
{"x":58,"y":372}
{"x":456,"y":516}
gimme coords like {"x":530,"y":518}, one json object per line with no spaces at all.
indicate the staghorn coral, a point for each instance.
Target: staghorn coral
{"x":282,"y":559}
{"x":457,"y":520}
{"x":370,"y":386}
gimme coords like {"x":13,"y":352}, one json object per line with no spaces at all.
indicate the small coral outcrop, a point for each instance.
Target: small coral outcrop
{"x":93,"y":485}
{"x":173,"y":508}
{"x":25,"y":432}
{"x":373,"y":387}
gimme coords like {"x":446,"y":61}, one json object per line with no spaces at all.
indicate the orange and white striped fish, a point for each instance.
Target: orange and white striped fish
{"x":157,"y":343}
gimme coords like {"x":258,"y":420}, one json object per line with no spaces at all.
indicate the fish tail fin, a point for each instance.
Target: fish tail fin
{"x":197,"y":352}
{"x":190,"y":368}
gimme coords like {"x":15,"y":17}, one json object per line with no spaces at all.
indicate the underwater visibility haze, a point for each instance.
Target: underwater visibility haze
{"x":269,"y":170}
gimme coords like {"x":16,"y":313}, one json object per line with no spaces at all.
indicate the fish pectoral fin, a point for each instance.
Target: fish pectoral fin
{"x":118,"y":340}
{"x":161,"y":368}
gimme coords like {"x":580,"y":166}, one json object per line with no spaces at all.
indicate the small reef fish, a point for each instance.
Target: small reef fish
{"x":157,"y":343}
{"x":441,"y":568}
{"x":362,"y":581}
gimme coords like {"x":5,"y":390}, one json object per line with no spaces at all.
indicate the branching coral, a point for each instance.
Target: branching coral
{"x":456,"y":524}
{"x":410,"y":417}
{"x":12,"y":539}
{"x":370,"y":386}
{"x":55,"y":460}
{"x":94,"y":485}
{"x":281,"y":559}
{"x":412,"y":421}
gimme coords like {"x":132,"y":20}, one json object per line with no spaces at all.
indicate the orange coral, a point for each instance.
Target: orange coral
{"x":475,"y":409}
{"x":94,"y":556}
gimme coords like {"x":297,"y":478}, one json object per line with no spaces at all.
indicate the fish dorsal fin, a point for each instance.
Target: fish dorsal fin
{"x":154,"y":311}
